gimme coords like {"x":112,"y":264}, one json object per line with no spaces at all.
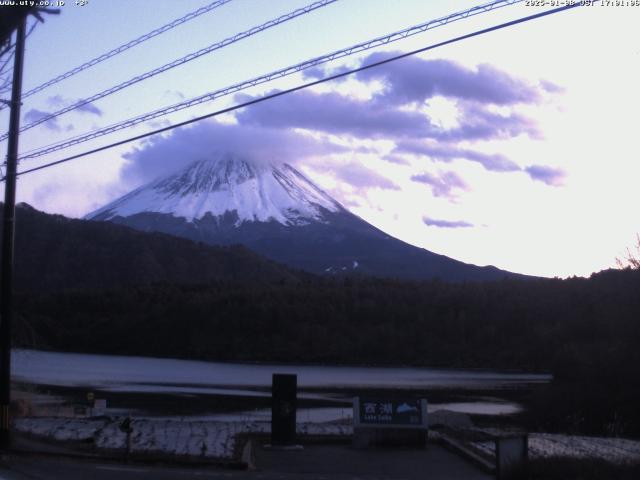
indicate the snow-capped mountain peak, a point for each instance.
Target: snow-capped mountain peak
{"x":277,"y":212}
{"x":254,"y":191}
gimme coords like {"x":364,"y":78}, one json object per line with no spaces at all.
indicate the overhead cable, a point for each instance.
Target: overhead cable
{"x":5,"y":85}
{"x":180,"y":61}
{"x":304,"y":86}
{"x":126,"y":46}
{"x":207,"y":97}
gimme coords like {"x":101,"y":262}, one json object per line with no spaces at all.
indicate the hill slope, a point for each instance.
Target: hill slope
{"x":54,"y":253}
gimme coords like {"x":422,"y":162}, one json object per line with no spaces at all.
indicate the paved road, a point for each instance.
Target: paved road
{"x":318,"y":462}
{"x":43,"y":468}
{"x":343,"y":462}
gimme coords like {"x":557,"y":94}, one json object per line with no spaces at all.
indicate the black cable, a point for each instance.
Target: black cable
{"x":126,"y":46}
{"x":6,"y":85}
{"x":180,"y":61}
{"x":268,"y":77}
{"x":7,"y":48}
{"x":303,"y":86}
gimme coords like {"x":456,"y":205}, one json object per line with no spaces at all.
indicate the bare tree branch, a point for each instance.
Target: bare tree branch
{"x":631,"y":259}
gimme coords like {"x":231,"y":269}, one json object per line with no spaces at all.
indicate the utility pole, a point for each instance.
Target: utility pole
{"x":8,"y":233}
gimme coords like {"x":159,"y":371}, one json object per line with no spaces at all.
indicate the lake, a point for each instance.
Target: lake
{"x":120,"y":376}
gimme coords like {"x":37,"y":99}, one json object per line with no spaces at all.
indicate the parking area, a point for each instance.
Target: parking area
{"x":344,"y":462}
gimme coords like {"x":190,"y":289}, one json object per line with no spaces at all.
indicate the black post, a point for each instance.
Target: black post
{"x":283,"y":409}
{"x":6,"y":293}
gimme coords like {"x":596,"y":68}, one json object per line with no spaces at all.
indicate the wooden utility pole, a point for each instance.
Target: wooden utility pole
{"x":8,"y":233}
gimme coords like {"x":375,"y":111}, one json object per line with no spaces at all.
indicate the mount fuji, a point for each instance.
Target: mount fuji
{"x":277,"y":212}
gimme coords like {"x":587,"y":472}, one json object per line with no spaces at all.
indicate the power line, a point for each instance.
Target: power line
{"x":6,"y":48}
{"x":305,"y":85}
{"x":180,"y":61}
{"x":5,"y":85}
{"x":6,"y":62}
{"x":126,"y":46}
{"x":360,"y":47}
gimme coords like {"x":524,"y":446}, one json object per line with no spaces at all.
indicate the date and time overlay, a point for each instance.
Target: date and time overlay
{"x":528,"y":3}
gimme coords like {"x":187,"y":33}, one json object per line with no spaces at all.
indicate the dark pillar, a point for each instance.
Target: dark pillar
{"x":283,"y":409}
{"x":6,"y":294}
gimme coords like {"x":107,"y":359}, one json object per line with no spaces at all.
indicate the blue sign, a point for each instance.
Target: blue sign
{"x":390,"y":412}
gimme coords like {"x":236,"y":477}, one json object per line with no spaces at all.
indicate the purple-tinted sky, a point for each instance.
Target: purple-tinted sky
{"x":514,"y":149}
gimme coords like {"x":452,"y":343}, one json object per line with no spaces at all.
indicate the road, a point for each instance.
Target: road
{"x":314,"y":462}
{"x":41,"y":468}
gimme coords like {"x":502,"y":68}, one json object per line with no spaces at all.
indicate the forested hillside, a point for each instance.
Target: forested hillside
{"x":534,"y":325}
{"x":57,"y":253}
{"x":108,"y":289}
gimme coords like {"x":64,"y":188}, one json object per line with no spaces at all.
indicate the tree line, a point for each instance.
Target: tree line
{"x":584,"y":331}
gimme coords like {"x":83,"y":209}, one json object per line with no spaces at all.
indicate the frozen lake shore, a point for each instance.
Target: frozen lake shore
{"x":217,"y":391}
{"x":144,"y":374}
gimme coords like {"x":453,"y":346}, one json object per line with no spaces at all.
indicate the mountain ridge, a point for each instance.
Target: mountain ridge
{"x":54,"y":253}
{"x":278,"y":212}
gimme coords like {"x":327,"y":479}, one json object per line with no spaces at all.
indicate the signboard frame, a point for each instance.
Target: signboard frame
{"x":359,"y":402}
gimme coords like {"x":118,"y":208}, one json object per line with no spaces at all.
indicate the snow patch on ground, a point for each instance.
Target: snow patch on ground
{"x":543,"y":445}
{"x":63,"y":429}
{"x":211,"y":440}
{"x":217,"y":439}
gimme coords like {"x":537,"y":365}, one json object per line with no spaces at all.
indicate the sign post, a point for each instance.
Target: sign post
{"x":283,"y":409}
{"x":512,"y":452}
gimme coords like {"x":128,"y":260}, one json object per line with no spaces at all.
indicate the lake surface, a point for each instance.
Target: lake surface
{"x":324,"y":414}
{"x":161,"y":377}
{"x":145,"y":374}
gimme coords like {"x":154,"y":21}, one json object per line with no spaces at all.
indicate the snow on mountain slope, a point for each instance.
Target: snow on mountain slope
{"x":227,"y":184}
{"x":277,"y":212}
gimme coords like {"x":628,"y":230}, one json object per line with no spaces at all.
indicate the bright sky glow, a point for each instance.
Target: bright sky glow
{"x":560,"y":202}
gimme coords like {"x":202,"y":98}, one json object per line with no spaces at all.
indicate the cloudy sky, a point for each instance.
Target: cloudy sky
{"x":516,"y":149}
